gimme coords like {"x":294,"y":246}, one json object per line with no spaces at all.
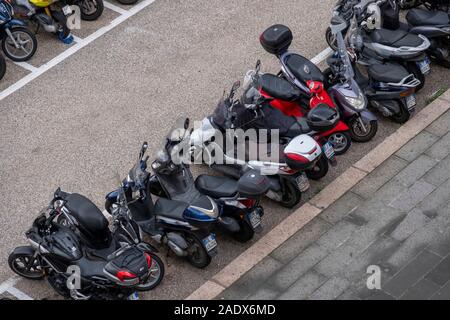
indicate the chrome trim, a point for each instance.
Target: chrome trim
{"x":408,"y":81}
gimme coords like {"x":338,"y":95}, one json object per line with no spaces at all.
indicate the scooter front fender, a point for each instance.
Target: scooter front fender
{"x":112,"y":196}
{"x":367,"y":116}
{"x":15,"y":22}
{"x":341,"y":126}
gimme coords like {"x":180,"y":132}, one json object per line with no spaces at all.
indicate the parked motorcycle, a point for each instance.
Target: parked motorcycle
{"x":238,"y":201}
{"x":301,"y":72}
{"x":2,"y":66}
{"x":298,"y":153}
{"x":429,"y":4}
{"x":185,"y":228}
{"x":389,"y":87}
{"x":380,"y":44}
{"x":18,"y":43}
{"x":56,"y":252}
{"x":51,"y":15}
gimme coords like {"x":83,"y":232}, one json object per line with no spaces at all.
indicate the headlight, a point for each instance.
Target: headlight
{"x":358,"y":103}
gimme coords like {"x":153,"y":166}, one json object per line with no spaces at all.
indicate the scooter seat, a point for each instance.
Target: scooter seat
{"x":170,"y":208}
{"x":303,"y":69}
{"x":421,"y":17}
{"x":388,"y":72}
{"x":216,"y":187}
{"x":396,"y":38}
{"x":300,"y":126}
{"x":279,"y":88}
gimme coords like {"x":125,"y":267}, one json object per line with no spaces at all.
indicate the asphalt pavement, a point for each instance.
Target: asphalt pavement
{"x":82,"y":122}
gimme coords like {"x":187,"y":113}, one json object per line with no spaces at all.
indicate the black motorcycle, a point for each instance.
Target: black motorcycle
{"x":185,"y":228}
{"x":57,"y":253}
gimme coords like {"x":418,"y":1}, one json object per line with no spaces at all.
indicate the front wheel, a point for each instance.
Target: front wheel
{"x":363,"y":132}
{"x":331,"y":39}
{"x":26,"y":265}
{"x":2,"y":67}
{"x":291,"y":195}
{"x":156,"y":274}
{"x":90,"y":9}
{"x":245,"y":232}
{"x":21,"y":45}
{"x":320,"y":169}
{"x":341,"y":142}
{"x":197,"y":256}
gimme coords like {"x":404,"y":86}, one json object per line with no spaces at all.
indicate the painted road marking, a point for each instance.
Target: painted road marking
{"x":73,"y":49}
{"x":115,"y":8}
{"x":26,"y":66}
{"x":19,"y":294}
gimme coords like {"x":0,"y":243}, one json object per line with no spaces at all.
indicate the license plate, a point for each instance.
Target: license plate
{"x":328,"y":150}
{"x":210,"y":242}
{"x":411,"y":101}
{"x":302,"y":182}
{"x":67,"y":10}
{"x":424,"y":66}
{"x":254,"y":218}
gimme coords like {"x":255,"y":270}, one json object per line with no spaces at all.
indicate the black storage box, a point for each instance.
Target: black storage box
{"x":253,"y":185}
{"x":276,"y":39}
{"x":322,"y":118}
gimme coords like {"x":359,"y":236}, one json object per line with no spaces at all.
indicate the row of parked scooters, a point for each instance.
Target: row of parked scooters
{"x":316,"y":115}
{"x":21,"y":20}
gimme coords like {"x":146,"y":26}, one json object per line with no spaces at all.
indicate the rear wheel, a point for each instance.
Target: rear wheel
{"x":26,"y":41}
{"x":403,"y":115}
{"x":127,"y":1}
{"x":245,"y":232}
{"x":156,"y":274}
{"x":341,"y":142}
{"x":90,"y":9}
{"x":198,"y":256}
{"x":320,"y":169}
{"x":291,"y":195}
{"x":415,"y":70}
{"x":358,"y":133}
{"x":26,"y":265}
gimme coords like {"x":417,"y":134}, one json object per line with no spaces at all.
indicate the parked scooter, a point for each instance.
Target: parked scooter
{"x":90,"y":10}
{"x":18,"y":43}
{"x":2,"y":66}
{"x":384,"y":45}
{"x":185,"y":228}
{"x":301,"y":72}
{"x":429,"y":4}
{"x":51,"y":15}
{"x":238,"y":201}
{"x":55,"y":252}
{"x":217,"y":139}
{"x":389,"y":88}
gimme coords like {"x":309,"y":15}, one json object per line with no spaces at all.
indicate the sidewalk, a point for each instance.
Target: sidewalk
{"x":397,"y":217}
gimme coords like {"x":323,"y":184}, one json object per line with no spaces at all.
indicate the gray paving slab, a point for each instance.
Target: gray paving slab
{"x":408,"y":199}
{"x":438,"y":198}
{"x":440,"y":173}
{"x":422,"y":290}
{"x":440,"y":149}
{"x":443,"y":294}
{"x":341,"y":208}
{"x":415,"y":170}
{"x":337,"y":235}
{"x":304,"y":286}
{"x":441,"y":273}
{"x":413,"y":220}
{"x":441,"y":126}
{"x":417,"y":146}
{"x":331,"y":289}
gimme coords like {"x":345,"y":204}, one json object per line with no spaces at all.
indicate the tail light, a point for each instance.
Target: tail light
{"x":297,"y":157}
{"x":248,"y":203}
{"x":407,"y":93}
{"x":125,"y":275}
{"x":149,"y":259}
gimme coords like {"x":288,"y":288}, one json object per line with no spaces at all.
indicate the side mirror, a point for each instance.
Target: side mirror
{"x":236,"y":86}
{"x":143,"y":149}
{"x":258,"y":66}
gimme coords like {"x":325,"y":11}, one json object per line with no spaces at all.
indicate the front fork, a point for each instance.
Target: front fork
{"x":9,"y":33}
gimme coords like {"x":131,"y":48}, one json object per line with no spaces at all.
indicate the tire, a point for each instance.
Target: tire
{"x":245,"y":233}
{"x":320,"y":170}
{"x":108,"y":206}
{"x":291,"y":195}
{"x":198,"y":257}
{"x":2,"y":67}
{"x":341,"y":142}
{"x":15,"y":262}
{"x":414,"y":69}
{"x":90,"y":9}
{"x":357,"y":133}
{"x":27,"y":38}
{"x":403,"y":115}
{"x":156,"y":263}
{"x":331,"y":39}
{"x":128,"y":1}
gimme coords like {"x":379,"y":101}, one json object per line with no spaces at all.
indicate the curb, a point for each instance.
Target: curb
{"x":337,"y":188}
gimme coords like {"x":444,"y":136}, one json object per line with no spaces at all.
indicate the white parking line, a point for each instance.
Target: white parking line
{"x":322,"y":56}
{"x":113,"y":7}
{"x":8,"y":284}
{"x":70,"y":51}
{"x":77,"y":39}
{"x":26,"y":65}
{"x":19,"y":294}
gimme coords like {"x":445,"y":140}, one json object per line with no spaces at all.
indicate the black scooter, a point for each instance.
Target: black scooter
{"x":56,"y":252}
{"x":185,"y":228}
{"x":238,"y":201}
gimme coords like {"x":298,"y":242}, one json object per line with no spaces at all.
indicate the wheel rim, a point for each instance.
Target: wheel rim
{"x":89,"y":7}
{"x":358,"y":129}
{"x":24,"y":41}
{"x":155,"y":273}
{"x":24,"y":265}
{"x":339,"y":141}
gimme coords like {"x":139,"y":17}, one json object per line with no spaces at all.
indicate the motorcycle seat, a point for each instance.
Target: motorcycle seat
{"x":86,"y":213}
{"x":421,"y":17}
{"x":396,"y":38}
{"x":279,"y":88}
{"x":216,"y":187}
{"x":303,"y":69}
{"x":170,"y":208}
{"x":388,"y":72}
